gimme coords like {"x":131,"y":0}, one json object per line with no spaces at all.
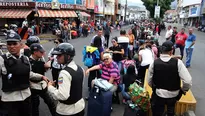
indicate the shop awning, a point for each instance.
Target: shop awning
{"x":57,"y":13}
{"x":14,"y":13}
{"x":84,"y":14}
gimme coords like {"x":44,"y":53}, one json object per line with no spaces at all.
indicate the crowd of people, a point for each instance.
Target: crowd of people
{"x":118,"y":66}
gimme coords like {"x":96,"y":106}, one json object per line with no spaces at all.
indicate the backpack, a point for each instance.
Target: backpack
{"x":91,"y":56}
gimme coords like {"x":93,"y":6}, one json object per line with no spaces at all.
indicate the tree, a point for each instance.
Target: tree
{"x":164,"y":6}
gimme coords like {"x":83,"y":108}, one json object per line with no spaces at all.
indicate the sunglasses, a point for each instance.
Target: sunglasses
{"x":12,"y":43}
{"x":56,"y":42}
{"x":106,"y":59}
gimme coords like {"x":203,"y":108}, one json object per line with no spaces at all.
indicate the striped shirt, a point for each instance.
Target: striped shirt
{"x":109,"y":71}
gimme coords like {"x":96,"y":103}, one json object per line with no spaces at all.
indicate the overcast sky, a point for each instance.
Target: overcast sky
{"x":135,"y":2}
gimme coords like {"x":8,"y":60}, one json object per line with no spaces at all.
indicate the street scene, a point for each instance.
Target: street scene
{"x":102,"y":58}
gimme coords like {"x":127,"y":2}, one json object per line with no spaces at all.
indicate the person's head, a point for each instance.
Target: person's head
{"x":169,"y":27}
{"x":131,"y":70}
{"x":58,"y":41}
{"x":14,"y":43}
{"x":130,"y":31}
{"x":107,"y":58}
{"x":167,"y":47}
{"x":122,"y":32}
{"x":37,"y":50}
{"x":174,"y":29}
{"x":148,"y":44}
{"x":97,"y":42}
{"x":32,"y":40}
{"x":190,"y":31}
{"x":182,"y":31}
{"x":65,"y":53}
{"x":114,"y":41}
{"x":100,"y":32}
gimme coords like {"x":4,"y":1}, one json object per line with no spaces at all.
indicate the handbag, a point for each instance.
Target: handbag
{"x":139,"y":96}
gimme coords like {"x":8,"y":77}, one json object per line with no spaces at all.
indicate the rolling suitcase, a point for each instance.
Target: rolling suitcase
{"x":99,"y":102}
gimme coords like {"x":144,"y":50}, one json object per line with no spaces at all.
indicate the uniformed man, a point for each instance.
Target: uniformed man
{"x":39,"y":88}
{"x":15,"y":72}
{"x":70,"y":83}
{"x":164,"y":76}
{"x":26,"y":50}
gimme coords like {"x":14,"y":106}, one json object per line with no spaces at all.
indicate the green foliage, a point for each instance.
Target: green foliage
{"x":164,"y":6}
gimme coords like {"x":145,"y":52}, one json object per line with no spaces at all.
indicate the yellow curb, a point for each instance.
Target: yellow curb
{"x":44,"y":41}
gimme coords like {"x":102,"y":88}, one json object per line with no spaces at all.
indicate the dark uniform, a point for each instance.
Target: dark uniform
{"x":39,"y":88}
{"x":70,"y":84}
{"x":15,"y":73}
{"x":164,"y":77}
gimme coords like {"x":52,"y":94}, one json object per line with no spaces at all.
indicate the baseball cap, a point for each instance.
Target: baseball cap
{"x":37,"y":47}
{"x":13,"y":37}
{"x":167,"y":46}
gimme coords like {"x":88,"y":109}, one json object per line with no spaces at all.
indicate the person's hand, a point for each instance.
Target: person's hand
{"x":51,"y":58}
{"x":51,"y":83}
{"x":46,"y":65}
{"x":45,"y":79}
{"x":87,"y":72}
{"x":115,"y":52}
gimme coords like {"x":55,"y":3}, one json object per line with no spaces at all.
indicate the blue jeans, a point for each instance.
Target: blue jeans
{"x":188,"y":56}
{"x":125,"y":95}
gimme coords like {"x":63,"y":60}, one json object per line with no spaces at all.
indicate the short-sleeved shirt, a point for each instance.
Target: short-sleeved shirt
{"x":116,"y":57}
{"x":109,"y":71}
{"x":189,"y":41}
{"x":181,"y":38}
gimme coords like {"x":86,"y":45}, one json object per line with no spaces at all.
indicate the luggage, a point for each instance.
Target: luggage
{"x":129,"y":111}
{"x":99,"y":102}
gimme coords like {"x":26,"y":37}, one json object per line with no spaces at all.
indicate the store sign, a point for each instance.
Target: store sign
{"x":157,"y":12}
{"x":62,"y":6}
{"x":193,"y":11}
{"x":55,"y":4}
{"x":17,"y":4}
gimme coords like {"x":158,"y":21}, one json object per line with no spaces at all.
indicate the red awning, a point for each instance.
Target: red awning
{"x":57,"y":13}
{"x":14,"y":13}
{"x":84,"y":14}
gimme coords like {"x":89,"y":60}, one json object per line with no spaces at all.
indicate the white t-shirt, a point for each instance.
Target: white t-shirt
{"x":123,"y":39}
{"x":147,"y":56}
{"x":168,"y":33}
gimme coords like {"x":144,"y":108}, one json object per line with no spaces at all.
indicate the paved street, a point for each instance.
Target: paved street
{"x":196,"y":70}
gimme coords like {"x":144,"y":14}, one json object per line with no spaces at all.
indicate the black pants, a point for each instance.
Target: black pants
{"x":141,"y":73}
{"x":55,"y":73}
{"x":18,"y":108}
{"x":78,"y":114}
{"x":107,"y":37}
{"x":92,"y":75}
{"x":158,"y":105}
{"x":36,"y":101}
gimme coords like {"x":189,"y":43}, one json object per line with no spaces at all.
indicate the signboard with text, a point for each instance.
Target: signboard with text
{"x":157,"y":11}
{"x":62,"y":6}
{"x":17,"y":4}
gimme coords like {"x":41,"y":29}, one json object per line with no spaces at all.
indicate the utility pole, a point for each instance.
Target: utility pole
{"x":157,"y":2}
{"x":125,"y":11}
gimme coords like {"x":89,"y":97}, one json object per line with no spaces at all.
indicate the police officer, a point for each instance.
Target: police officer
{"x":15,"y":73}
{"x":70,"y":83}
{"x":39,"y":88}
{"x":164,"y":76}
{"x":32,"y":39}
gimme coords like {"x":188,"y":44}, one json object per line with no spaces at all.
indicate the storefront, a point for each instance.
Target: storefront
{"x":90,"y":5}
{"x":194,"y":14}
{"x":99,"y":10}
{"x":50,"y":14}
{"x":16,"y":12}
{"x":109,"y":9}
